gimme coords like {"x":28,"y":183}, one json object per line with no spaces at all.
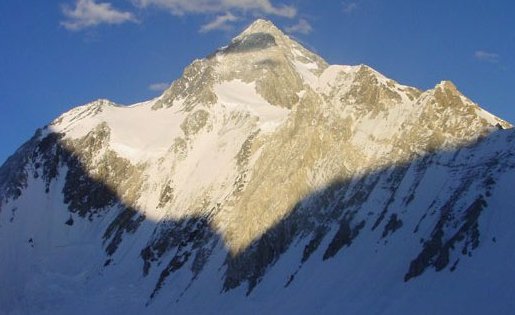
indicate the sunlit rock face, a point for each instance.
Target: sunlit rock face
{"x":262,"y":173}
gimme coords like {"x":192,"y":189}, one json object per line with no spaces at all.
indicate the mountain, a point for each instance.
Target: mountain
{"x":264,"y":180}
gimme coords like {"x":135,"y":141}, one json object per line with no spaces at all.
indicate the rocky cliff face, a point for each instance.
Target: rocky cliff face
{"x":262,"y":179}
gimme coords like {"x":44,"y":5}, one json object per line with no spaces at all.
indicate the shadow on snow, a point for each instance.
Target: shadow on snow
{"x":339,"y":211}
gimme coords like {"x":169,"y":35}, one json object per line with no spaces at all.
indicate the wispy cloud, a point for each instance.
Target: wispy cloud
{"x":159,"y":87}
{"x":181,"y":7}
{"x":221,"y":22}
{"x":349,"y":7}
{"x":88,"y":13}
{"x":486,"y":56}
{"x":302,"y":27}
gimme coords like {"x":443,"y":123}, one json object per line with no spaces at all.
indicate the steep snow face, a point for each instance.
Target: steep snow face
{"x":137,"y":132}
{"x":141,"y":134}
{"x":263,"y":179}
{"x":240,"y":96}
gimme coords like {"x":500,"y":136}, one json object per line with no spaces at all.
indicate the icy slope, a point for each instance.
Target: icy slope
{"x":263,"y":180}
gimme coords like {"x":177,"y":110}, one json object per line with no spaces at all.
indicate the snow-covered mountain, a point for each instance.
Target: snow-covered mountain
{"x":264,"y":180}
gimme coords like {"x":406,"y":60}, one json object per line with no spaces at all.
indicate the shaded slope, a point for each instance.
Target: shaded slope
{"x":319,"y":228}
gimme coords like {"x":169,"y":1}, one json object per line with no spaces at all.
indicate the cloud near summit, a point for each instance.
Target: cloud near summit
{"x":221,"y":22}
{"x":90,"y":13}
{"x":181,"y":7}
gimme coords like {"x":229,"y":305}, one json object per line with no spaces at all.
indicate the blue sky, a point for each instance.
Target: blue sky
{"x":55,"y":55}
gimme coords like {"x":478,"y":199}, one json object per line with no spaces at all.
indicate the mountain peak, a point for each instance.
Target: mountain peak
{"x":259,"y":35}
{"x":262,"y":26}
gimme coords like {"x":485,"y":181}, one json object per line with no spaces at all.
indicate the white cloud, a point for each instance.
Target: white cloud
{"x":349,"y":7}
{"x":88,"y":13}
{"x":159,"y":87}
{"x":302,"y":27}
{"x":181,"y":7}
{"x":221,"y":22}
{"x":486,"y":56}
